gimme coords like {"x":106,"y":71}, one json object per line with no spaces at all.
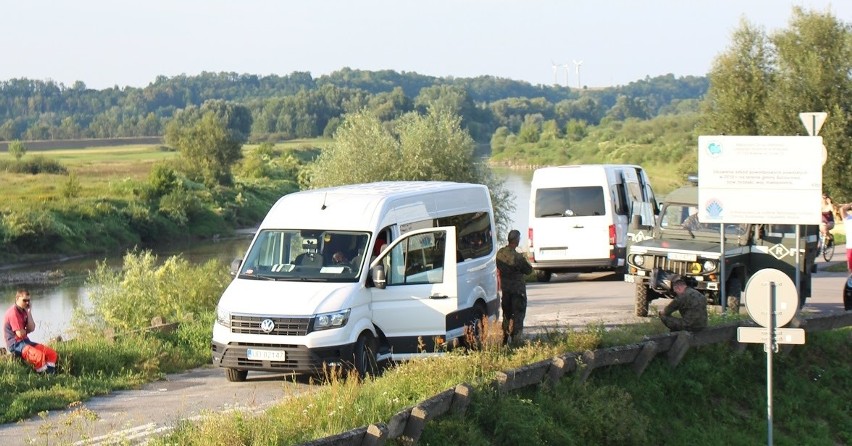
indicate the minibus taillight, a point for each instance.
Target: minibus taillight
{"x":612,"y":234}
{"x":529,"y":236}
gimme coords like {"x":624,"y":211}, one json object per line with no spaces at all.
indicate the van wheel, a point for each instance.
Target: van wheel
{"x":236,"y":375}
{"x":642,"y":300}
{"x":735,"y":291}
{"x":542,"y":275}
{"x":473,"y":329}
{"x":365,"y":355}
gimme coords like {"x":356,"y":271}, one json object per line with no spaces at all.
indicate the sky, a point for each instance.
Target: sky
{"x":107,"y":43}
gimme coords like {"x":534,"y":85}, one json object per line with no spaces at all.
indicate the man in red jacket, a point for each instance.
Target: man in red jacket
{"x":18,"y":323}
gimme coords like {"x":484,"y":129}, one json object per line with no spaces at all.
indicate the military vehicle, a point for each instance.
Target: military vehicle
{"x":679,"y":244}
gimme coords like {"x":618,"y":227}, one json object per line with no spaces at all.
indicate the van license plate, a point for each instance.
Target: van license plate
{"x":266,"y":355}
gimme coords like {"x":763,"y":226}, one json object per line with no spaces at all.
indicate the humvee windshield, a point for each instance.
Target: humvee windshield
{"x":682,"y":217}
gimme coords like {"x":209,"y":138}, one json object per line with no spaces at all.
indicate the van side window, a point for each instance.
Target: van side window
{"x":417,"y":260}
{"x":569,"y":202}
{"x":473,"y":232}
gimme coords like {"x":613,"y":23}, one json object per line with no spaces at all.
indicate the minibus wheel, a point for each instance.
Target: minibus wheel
{"x":543,"y":275}
{"x":365,"y":355}
{"x":236,"y":375}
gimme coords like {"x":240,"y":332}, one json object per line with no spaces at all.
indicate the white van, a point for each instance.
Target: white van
{"x":579,"y":216}
{"x":318,"y":286}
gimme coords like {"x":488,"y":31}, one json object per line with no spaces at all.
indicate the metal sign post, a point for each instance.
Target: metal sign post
{"x":779,"y":309}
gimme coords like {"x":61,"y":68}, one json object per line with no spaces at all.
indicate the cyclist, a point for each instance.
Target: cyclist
{"x":827,"y":224}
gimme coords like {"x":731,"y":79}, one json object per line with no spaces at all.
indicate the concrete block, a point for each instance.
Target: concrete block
{"x":461,"y":398}
{"x":348,"y":438}
{"x":648,"y":353}
{"x":527,"y":375}
{"x":397,"y":423}
{"x":560,"y":366}
{"x":679,"y":347}
{"x":376,"y":435}
{"x":585,"y":366}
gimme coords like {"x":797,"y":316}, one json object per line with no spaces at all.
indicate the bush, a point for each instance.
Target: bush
{"x":34,"y":166}
{"x":175,"y":290}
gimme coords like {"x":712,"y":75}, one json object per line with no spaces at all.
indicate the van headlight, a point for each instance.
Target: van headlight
{"x":334,"y":319}
{"x":223,"y":317}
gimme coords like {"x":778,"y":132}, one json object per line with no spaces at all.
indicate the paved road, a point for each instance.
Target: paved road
{"x":571,"y":300}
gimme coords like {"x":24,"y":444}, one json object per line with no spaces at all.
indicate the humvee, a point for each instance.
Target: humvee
{"x":678,"y":244}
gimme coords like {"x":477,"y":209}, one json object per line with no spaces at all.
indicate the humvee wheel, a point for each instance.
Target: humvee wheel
{"x":641,"y":300}
{"x":542,"y":275}
{"x":735,"y":291}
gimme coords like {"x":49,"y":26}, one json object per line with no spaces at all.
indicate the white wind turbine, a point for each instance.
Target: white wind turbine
{"x":577,"y":64}
{"x":567,"y":71}
{"x":555,"y":69}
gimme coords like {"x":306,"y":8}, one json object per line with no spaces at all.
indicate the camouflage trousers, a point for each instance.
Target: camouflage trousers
{"x":514,"y":307}
{"x":677,"y":324}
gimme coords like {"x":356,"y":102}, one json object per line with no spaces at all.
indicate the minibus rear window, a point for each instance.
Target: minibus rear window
{"x":569,"y":202}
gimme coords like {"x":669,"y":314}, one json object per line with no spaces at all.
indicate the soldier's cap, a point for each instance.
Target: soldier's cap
{"x":514,"y":235}
{"x":677,"y":279}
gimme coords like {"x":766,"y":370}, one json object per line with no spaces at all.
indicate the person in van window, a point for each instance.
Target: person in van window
{"x":18,"y":323}
{"x":513,"y":267}
{"x":339,"y":258}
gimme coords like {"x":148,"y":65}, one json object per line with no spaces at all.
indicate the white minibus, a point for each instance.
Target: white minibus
{"x":349,"y":276}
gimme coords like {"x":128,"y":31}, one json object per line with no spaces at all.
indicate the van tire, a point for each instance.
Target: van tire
{"x":543,"y":275}
{"x":236,"y":375}
{"x":735,"y":294}
{"x":642,"y":301}
{"x":365,"y":355}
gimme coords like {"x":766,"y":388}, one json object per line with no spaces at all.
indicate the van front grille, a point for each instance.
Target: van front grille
{"x":284,"y":326}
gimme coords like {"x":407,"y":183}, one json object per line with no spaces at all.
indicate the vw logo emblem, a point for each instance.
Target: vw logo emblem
{"x":267,"y":325}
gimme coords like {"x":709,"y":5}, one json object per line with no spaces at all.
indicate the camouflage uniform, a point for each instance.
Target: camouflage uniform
{"x":692,"y":306}
{"x":513,"y":267}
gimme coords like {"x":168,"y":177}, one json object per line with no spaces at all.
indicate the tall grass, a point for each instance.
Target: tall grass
{"x":713,"y":397}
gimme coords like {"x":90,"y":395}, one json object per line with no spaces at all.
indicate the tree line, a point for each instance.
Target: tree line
{"x":301,"y":106}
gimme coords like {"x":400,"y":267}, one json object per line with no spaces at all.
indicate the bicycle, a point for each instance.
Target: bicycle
{"x":826,"y":247}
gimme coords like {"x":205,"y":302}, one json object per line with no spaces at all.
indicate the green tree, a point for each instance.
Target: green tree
{"x":17,"y":149}
{"x":761,"y":84}
{"x":210,"y":138}
{"x":416,"y":147}
{"x":740,"y":80}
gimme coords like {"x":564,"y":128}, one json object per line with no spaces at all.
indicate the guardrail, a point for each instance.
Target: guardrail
{"x":408,"y":424}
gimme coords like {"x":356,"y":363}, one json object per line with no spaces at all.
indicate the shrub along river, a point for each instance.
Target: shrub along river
{"x":54,"y":303}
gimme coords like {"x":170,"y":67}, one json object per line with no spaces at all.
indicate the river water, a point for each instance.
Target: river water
{"x":53,"y":306}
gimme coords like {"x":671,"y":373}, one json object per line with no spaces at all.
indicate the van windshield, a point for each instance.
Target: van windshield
{"x":294,"y":254}
{"x":569,"y":201}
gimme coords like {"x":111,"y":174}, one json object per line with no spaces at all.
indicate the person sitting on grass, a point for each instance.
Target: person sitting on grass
{"x":18,"y":323}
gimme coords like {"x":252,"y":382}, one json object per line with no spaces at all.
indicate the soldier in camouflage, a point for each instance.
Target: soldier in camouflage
{"x":691,"y":304}
{"x":513,"y":267}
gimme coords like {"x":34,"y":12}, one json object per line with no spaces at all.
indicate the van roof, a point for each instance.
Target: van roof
{"x":577,"y":172}
{"x":356,"y":206}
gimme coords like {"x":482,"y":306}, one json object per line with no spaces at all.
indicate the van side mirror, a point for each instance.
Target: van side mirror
{"x":377,"y":274}
{"x":235,"y":266}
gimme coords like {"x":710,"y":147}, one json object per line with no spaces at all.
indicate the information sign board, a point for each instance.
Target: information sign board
{"x":760,"y":179}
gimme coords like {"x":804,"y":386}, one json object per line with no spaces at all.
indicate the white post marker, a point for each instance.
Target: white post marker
{"x":778,"y":310}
